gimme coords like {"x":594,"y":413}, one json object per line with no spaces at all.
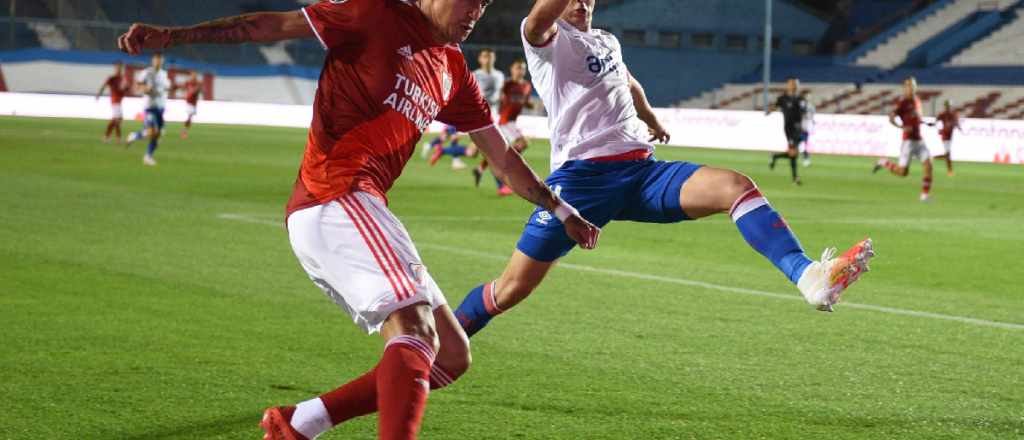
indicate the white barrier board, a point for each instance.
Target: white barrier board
{"x":982,"y":140}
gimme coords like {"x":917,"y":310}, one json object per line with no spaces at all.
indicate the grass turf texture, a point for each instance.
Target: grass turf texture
{"x":130,"y":310}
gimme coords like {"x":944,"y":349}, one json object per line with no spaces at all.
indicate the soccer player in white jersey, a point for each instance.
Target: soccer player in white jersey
{"x":154,"y":86}
{"x":601,"y":162}
{"x":489,"y":78}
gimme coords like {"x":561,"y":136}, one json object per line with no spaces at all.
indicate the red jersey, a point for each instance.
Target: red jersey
{"x":192,"y":91}
{"x":949,"y":120}
{"x":909,"y":112}
{"x":384,"y":80}
{"x":514,"y":96}
{"x":117,"y":86}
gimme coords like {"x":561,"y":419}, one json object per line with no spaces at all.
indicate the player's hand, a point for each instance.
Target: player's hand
{"x":582,"y":232}
{"x":143,"y":36}
{"x":658,"y":133}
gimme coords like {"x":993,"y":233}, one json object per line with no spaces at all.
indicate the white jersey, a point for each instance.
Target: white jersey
{"x":157,"y":79}
{"x":808,"y":123}
{"x":490,"y":84}
{"x":584,"y":85}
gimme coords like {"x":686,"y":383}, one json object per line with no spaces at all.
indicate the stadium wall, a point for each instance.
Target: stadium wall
{"x":75,"y":72}
{"x":982,"y":140}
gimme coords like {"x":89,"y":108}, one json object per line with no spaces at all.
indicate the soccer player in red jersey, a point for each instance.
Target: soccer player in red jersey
{"x":950,"y":120}
{"x":392,"y":67}
{"x":908,"y":109}
{"x":515,"y":96}
{"x":193,"y":89}
{"x":118,"y":86}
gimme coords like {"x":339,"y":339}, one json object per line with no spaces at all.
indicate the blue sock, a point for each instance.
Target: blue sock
{"x":152,"y":147}
{"x":474,"y":314}
{"x":437,"y":141}
{"x":500,"y":185}
{"x":805,"y":154}
{"x":767,"y":232}
{"x":454,"y":151}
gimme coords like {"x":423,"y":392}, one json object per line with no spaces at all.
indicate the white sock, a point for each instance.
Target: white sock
{"x":311,"y":418}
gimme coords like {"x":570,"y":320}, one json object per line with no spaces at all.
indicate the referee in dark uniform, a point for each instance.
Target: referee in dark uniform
{"x":793,"y":107}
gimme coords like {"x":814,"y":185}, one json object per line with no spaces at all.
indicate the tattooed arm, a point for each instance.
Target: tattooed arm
{"x":256,"y":27}
{"x":509,"y":167}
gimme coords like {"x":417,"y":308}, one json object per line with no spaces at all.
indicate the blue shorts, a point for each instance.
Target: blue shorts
{"x":155,"y":118}
{"x":640,"y":190}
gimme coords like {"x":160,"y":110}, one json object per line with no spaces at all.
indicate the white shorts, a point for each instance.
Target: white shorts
{"x":912,"y":149}
{"x":115,"y":109}
{"x":360,"y":255}
{"x":510,"y":131}
{"x":947,"y":144}
{"x":191,"y":109}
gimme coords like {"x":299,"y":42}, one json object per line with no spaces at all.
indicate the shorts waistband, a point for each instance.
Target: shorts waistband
{"x":638,"y":154}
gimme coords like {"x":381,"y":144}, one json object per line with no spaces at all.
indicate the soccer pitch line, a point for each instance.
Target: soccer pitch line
{"x":524,"y":218}
{"x":685,"y":282}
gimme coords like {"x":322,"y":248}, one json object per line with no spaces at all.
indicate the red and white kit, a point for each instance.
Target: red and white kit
{"x":909,"y":112}
{"x":950,"y":120}
{"x":385,"y":79}
{"x":514,"y":96}
{"x":192,"y":91}
{"x":118,"y":85}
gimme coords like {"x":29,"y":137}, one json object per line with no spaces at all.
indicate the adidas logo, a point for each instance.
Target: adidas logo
{"x":406,"y":52}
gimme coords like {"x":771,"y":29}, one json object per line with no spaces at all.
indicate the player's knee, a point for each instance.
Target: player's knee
{"x":734,"y":185}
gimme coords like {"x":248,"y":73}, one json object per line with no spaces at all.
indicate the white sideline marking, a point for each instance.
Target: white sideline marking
{"x":249,"y":219}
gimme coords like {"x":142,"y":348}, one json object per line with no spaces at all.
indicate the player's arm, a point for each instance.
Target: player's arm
{"x":540,"y":24}
{"x":100,"y":93}
{"x":509,"y":167}
{"x":646,"y":114}
{"x":254,"y":27}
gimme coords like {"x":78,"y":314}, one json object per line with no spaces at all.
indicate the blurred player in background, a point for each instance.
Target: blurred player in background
{"x":154,"y":86}
{"x":489,"y":78}
{"x":794,"y":109}
{"x":515,"y":96}
{"x":118,"y":86}
{"x":808,"y":127}
{"x":193,"y":90}
{"x":950,"y":120}
{"x":908,"y":109}
{"x":456,"y":151}
{"x":601,"y":162}
{"x":392,"y":67}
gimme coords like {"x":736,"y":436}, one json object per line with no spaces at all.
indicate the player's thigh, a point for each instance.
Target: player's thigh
{"x":712,"y":191}
{"x":921,"y":152}
{"x":359,"y":254}
{"x":906,"y":153}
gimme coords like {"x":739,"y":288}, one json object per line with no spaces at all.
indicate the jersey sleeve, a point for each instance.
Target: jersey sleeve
{"x":339,"y":22}
{"x":544,"y":51}
{"x":467,"y":111}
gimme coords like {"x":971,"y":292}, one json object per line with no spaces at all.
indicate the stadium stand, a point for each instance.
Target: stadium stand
{"x":894,"y":51}
{"x":1001,"y":48}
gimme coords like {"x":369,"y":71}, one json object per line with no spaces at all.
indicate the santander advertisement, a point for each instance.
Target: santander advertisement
{"x":982,"y":140}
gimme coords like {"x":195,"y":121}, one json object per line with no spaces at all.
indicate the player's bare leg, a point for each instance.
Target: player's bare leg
{"x":519,"y":279}
{"x":713,"y":190}
{"x":926,"y":183}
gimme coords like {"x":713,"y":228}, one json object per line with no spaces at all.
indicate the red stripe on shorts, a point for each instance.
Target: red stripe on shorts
{"x":403,"y":276}
{"x":367,"y":239}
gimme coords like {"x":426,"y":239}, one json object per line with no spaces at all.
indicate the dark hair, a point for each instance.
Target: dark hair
{"x":486,"y":49}
{"x":909,"y":78}
{"x":118,"y":63}
{"x":519,"y":61}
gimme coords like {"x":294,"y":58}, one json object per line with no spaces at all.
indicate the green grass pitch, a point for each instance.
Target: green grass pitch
{"x":165,"y":302}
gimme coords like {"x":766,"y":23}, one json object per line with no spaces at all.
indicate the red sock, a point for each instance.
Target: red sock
{"x":354,"y":399}
{"x":482,"y":166}
{"x":110,"y":126}
{"x":926,"y":185}
{"x":403,"y":376}
{"x":890,"y":166}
